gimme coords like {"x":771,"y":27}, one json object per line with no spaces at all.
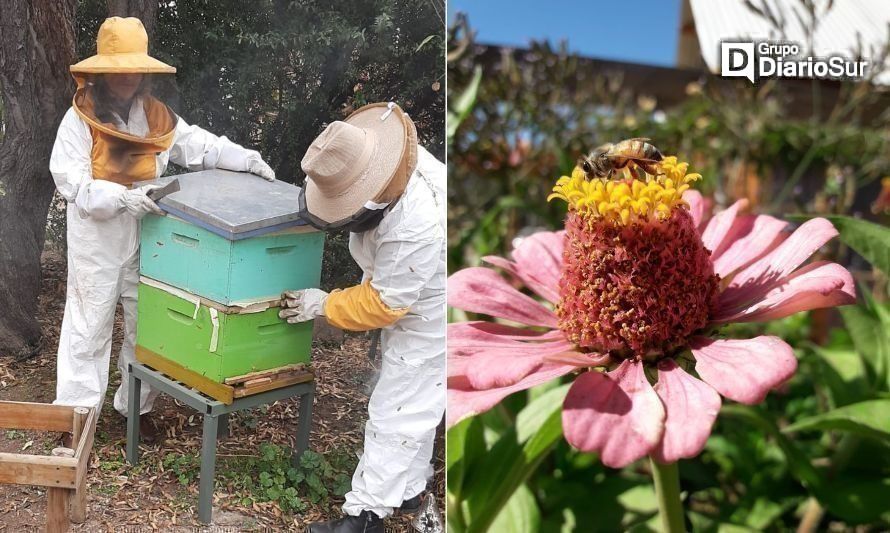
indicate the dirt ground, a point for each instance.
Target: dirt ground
{"x":161,"y":492}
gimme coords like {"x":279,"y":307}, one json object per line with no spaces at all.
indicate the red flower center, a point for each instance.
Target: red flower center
{"x":638,"y":290}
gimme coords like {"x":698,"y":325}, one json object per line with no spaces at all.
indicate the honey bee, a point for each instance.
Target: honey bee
{"x":603,"y":161}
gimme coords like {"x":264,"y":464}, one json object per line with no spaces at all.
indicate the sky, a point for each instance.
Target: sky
{"x":636,"y":31}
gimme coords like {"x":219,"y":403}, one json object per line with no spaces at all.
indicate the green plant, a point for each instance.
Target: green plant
{"x":185,"y":468}
{"x":339,"y":270}
{"x":271,"y":477}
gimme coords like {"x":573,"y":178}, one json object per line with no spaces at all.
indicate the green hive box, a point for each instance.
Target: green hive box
{"x":182,"y":330}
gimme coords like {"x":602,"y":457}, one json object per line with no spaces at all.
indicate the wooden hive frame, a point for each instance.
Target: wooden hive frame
{"x":233,"y":387}
{"x":64,"y":474}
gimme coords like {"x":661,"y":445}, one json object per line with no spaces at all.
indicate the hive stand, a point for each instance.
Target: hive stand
{"x":64,"y":474}
{"x":215,"y":421}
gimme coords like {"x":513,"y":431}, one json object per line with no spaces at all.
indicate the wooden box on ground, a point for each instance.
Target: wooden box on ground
{"x":63,"y":474}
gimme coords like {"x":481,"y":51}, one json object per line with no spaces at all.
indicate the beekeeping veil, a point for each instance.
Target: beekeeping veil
{"x":117,"y":96}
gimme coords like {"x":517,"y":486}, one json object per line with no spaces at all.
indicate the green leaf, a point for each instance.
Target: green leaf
{"x":763,"y":514}
{"x":870,"y":240}
{"x":520,"y":515}
{"x":425,"y":42}
{"x":463,"y":105}
{"x":859,"y":500}
{"x":798,"y":463}
{"x":734,"y":528}
{"x":465,"y":443}
{"x":704,"y":523}
{"x":844,"y":372}
{"x":870,"y":338}
{"x":639,"y":499}
{"x":869,"y":419}
{"x":536,"y":413}
{"x":492,"y":482}
{"x":652,"y":525}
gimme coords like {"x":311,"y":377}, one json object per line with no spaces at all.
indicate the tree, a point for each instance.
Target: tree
{"x":144,"y":10}
{"x":37,"y":45}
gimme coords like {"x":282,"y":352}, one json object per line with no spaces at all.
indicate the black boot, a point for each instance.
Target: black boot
{"x":367,"y":522}
{"x":412,"y":505}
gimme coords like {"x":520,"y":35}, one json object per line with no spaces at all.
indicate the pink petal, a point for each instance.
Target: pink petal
{"x":690,"y":406}
{"x":578,"y":359}
{"x":549,"y":293}
{"x":696,"y":206}
{"x":489,"y":361}
{"x":750,"y":237}
{"x":482,"y":290}
{"x":464,"y":402}
{"x":539,"y":257}
{"x":493,"y":369}
{"x":472,"y":328}
{"x":817,"y":285}
{"x":754,"y":281}
{"x":616,"y":414}
{"x":470,"y":341}
{"x":537,"y":263}
{"x":719,"y":226}
{"x":743,"y":370}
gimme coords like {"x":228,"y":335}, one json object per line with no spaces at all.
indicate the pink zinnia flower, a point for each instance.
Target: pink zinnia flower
{"x":635,"y":289}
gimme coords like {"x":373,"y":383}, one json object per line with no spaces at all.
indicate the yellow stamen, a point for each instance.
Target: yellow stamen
{"x":628,"y":199}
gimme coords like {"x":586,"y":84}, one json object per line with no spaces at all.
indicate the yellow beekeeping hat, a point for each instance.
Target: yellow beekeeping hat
{"x":122,"y":48}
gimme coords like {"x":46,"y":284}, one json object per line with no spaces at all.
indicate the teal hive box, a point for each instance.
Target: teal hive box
{"x":232,"y":238}
{"x":203,"y":263}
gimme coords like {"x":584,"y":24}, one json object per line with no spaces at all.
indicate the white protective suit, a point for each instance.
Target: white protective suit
{"x":405,"y":259}
{"x":103,"y":252}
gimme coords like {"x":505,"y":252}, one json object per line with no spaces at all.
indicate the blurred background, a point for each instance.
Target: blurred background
{"x":534,"y":85}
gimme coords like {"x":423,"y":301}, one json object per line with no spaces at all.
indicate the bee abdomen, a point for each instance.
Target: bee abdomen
{"x":651,"y":152}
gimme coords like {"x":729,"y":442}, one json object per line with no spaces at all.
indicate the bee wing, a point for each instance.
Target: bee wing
{"x":621,"y":156}
{"x":643,"y":139}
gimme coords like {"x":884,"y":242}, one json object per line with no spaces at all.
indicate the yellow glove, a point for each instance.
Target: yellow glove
{"x":360,"y":308}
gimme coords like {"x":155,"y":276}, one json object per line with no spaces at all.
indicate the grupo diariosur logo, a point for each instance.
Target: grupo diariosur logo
{"x":771,"y":59}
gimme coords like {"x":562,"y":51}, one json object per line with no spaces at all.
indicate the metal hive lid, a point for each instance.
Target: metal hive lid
{"x":235,"y":205}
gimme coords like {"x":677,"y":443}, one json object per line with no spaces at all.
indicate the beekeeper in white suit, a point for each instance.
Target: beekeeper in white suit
{"x":115,"y":134}
{"x":367,"y":174}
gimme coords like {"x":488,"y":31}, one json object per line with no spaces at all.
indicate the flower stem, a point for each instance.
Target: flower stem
{"x":667,"y":490}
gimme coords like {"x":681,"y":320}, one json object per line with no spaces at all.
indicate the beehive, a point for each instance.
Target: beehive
{"x":213,"y":270}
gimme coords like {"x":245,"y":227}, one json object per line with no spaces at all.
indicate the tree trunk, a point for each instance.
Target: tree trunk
{"x":144,"y":10}
{"x":37,"y":45}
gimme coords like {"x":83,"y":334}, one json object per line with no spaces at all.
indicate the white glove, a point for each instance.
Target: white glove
{"x":260,"y":168}
{"x":300,"y":306}
{"x":137,"y":202}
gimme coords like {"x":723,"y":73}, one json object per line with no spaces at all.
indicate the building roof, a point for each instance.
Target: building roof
{"x":840,"y":29}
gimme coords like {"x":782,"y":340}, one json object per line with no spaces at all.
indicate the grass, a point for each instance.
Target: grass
{"x":14,"y":434}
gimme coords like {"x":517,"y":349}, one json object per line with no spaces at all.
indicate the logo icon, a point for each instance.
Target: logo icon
{"x":737,"y":60}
